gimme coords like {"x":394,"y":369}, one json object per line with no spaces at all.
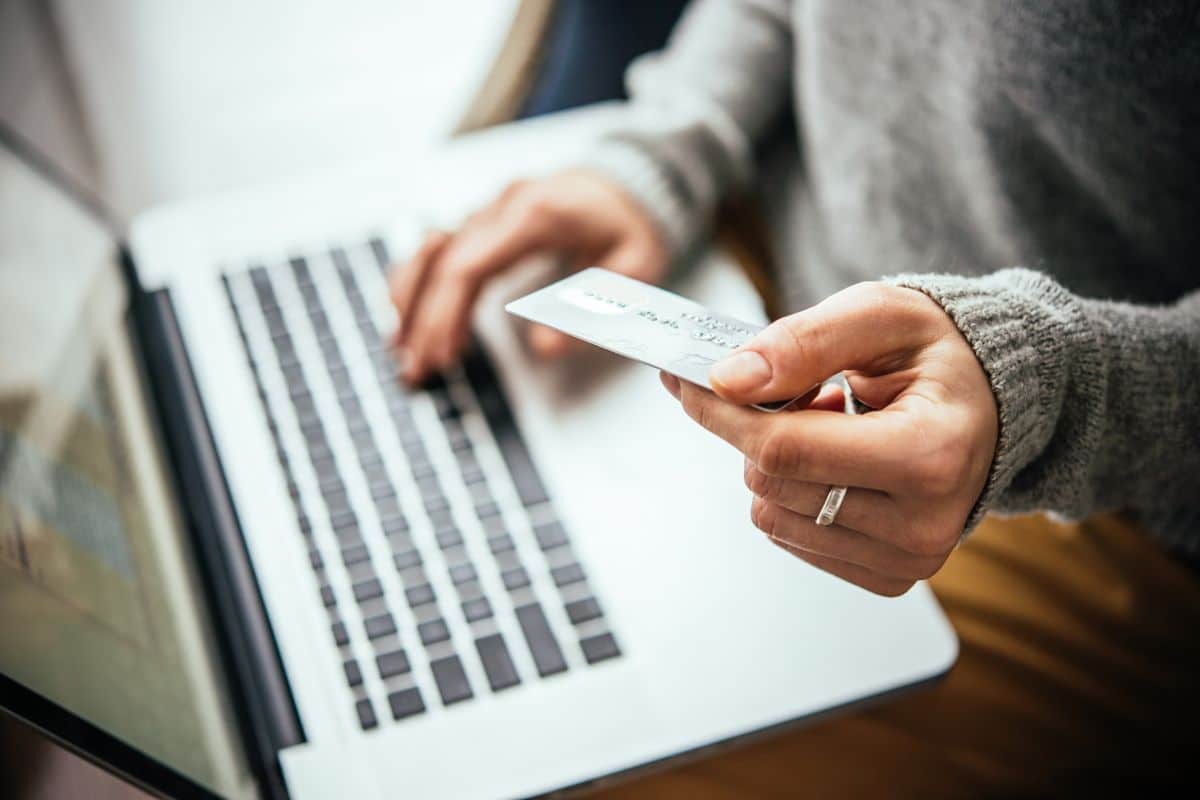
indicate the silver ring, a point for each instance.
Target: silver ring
{"x":833,"y":504}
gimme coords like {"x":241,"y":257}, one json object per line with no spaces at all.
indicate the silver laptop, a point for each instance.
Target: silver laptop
{"x":238,"y":558}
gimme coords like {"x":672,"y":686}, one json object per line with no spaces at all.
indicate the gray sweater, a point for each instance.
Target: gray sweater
{"x":1032,"y":165}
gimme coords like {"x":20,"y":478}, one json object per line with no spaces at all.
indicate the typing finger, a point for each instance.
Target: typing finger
{"x":408,"y":279}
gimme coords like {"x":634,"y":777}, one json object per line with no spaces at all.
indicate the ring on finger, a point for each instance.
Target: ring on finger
{"x":831,"y":506}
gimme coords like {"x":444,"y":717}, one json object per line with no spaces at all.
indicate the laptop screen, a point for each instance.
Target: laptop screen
{"x":99,"y":607}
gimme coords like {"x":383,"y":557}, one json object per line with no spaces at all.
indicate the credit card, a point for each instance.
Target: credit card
{"x":641,"y":322}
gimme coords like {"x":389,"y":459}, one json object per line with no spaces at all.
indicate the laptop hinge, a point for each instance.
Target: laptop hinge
{"x":260,"y":694}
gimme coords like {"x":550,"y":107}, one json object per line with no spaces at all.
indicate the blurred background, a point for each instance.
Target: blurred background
{"x":177,"y":99}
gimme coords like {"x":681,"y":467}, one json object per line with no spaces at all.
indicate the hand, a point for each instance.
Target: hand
{"x":916,"y":465}
{"x":577,"y":214}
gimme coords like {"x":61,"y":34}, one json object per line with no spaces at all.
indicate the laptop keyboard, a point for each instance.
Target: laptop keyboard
{"x":436,"y":551}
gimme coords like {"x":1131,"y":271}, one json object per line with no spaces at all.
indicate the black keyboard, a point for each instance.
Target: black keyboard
{"x":409,"y":531}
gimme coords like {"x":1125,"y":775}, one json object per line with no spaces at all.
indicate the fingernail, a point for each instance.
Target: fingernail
{"x":743,"y":371}
{"x":670,"y":383}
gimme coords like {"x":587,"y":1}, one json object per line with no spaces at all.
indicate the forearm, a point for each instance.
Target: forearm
{"x":696,"y":111}
{"x":1099,"y":402}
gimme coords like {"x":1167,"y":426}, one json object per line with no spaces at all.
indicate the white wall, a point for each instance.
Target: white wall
{"x":186,"y":98}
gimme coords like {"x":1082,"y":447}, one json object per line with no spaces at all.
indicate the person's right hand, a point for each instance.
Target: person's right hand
{"x":578,"y":215}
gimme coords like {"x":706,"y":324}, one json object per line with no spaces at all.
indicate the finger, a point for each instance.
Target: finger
{"x":409,"y":278}
{"x":442,"y":322}
{"x":867,"y":511}
{"x":859,"y":328}
{"x":670,"y":383}
{"x":872,"y":450}
{"x":829,"y":398}
{"x":841,"y":543}
{"x":851,"y":573}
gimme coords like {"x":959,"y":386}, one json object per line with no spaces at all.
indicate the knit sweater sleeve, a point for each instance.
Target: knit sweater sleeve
{"x":1099,"y":401}
{"x":696,"y":110}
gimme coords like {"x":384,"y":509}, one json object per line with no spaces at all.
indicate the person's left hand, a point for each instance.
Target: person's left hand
{"x":916,"y":464}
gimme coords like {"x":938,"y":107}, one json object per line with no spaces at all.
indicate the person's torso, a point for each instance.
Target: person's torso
{"x":970,"y":135}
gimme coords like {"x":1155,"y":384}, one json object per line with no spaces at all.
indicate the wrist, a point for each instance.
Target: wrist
{"x":1014,"y":321}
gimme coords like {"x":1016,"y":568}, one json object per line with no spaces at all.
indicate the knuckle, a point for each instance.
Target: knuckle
{"x":698,"y":408}
{"x":535,"y":210}
{"x":763,"y":516}
{"x":460,"y":268}
{"x":931,"y":541}
{"x":792,"y":337}
{"x":512,"y":190}
{"x":775,"y":453}
{"x":759,"y":483}
{"x":944,"y":462}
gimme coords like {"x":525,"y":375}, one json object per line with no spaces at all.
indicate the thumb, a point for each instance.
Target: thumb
{"x":858,"y":328}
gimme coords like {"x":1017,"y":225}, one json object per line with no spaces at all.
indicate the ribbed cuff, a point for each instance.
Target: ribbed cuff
{"x":650,"y":184}
{"x":1014,"y":320}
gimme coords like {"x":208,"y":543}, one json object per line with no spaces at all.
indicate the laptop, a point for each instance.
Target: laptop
{"x":239,"y":559}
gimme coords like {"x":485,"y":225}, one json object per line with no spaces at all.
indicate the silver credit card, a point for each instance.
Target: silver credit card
{"x":641,"y":322}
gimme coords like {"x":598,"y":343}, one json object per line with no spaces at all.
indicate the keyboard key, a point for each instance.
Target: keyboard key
{"x":379,"y":250}
{"x":348,"y":535}
{"x":340,"y":637}
{"x":477,"y":609}
{"x":380,"y":625}
{"x":366,"y":714}
{"x":406,"y":559}
{"x":441,"y":519}
{"x":515,"y":578}
{"x":420,"y":469}
{"x":583,"y":610}
{"x":393,"y":663}
{"x":501,"y":543}
{"x":354,"y":553}
{"x":337,"y":501}
{"x":388,"y":506}
{"x":396,"y":523}
{"x":567,"y":574}
{"x":599,"y":648}
{"x":419,"y":595}
{"x":547,"y":656}
{"x":361,"y":571}
{"x":486,"y":509}
{"x":452,"y":681}
{"x":353,"y":673}
{"x":550,"y":535}
{"x":406,"y":703}
{"x":497,"y":663}
{"x":436,"y":503}
{"x":449,"y":537}
{"x":433,"y":631}
{"x":461,"y":573}
{"x":342,"y":519}
{"x":367,"y":590}
{"x":327,"y":596}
